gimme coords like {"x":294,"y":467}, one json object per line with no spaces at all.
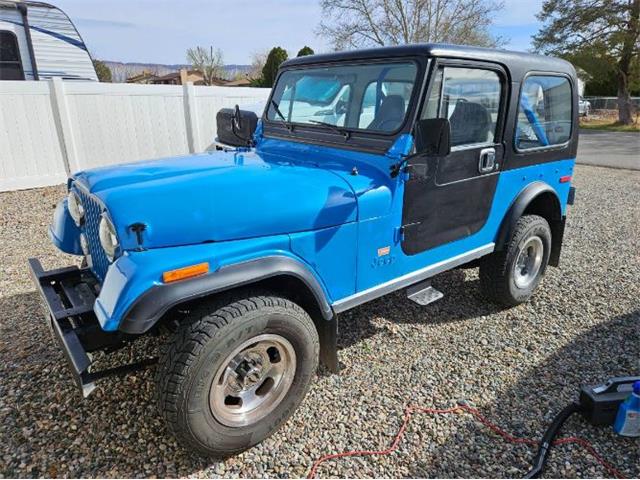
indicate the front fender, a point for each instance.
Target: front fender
{"x":133,"y":297}
{"x":156,"y":301}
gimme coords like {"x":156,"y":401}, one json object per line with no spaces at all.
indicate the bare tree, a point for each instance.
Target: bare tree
{"x":121,"y":72}
{"x":364,"y":23}
{"x":208,"y":62}
{"x":258,"y":59}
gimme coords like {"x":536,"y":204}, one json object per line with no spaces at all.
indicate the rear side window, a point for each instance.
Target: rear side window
{"x":10,"y":65}
{"x":544,"y":112}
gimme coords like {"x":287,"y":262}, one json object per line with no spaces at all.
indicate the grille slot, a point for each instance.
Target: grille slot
{"x":92,"y":215}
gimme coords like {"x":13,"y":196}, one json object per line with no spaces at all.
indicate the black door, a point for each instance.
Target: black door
{"x":449,"y":198}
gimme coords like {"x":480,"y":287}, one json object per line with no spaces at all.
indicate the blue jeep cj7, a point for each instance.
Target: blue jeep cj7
{"x":369,"y":172}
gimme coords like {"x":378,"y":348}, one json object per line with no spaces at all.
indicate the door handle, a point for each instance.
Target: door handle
{"x":487,"y":162}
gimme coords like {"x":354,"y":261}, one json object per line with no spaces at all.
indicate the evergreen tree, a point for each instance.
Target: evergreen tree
{"x":102,"y":71}
{"x":275,"y":58}
{"x":305,"y":51}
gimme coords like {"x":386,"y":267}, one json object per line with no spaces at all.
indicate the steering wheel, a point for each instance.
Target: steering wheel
{"x":341,"y":107}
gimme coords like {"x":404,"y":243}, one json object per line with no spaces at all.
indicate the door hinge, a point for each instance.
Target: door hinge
{"x":400,"y":232}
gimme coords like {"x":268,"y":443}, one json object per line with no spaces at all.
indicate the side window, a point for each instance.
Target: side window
{"x":470,"y":99}
{"x":432,"y":106}
{"x":10,"y":65}
{"x":544,"y":112}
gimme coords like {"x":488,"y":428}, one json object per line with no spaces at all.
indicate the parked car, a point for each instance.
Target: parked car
{"x":38,"y":41}
{"x":369,"y":172}
{"x":584,"y":107}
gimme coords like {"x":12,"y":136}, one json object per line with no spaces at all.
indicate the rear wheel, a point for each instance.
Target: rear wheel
{"x":235,"y":371}
{"x":510,"y":277}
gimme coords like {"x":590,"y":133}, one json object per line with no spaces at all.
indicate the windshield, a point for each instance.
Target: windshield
{"x":352,"y":97}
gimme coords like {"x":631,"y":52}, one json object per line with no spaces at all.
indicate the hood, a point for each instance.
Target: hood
{"x":218,"y":196}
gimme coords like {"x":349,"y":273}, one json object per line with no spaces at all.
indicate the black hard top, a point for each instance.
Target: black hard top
{"x":517,"y":62}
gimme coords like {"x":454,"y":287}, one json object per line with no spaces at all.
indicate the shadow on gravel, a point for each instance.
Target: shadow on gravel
{"x":462,"y":301}
{"x":527,"y":407}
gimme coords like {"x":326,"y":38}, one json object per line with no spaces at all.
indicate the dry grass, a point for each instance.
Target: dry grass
{"x":608,"y":120}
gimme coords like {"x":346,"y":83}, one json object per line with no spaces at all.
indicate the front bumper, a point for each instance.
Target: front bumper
{"x":68,"y":295}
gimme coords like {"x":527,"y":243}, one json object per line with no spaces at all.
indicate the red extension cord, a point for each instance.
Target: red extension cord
{"x":410,"y":410}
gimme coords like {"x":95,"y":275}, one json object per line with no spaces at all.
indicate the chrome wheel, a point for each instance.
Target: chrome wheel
{"x":252,"y":380}
{"x":528,"y":263}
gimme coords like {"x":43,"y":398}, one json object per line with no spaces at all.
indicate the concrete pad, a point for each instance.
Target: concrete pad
{"x":609,"y":149}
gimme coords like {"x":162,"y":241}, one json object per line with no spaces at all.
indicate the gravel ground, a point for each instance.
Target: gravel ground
{"x":518,"y":366}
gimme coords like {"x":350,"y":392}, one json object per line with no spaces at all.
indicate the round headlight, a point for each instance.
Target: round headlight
{"x":76,"y":210}
{"x":108,"y":238}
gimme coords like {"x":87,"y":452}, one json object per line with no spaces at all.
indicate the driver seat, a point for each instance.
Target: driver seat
{"x":390,"y":114}
{"x":470,"y":123}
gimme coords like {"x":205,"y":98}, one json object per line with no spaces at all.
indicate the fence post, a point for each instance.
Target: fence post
{"x":63,"y":125}
{"x":191,"y":117}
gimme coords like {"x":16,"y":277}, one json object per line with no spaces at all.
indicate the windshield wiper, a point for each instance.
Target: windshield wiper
{"x":344,"y":132}
{"x":288,"y":125}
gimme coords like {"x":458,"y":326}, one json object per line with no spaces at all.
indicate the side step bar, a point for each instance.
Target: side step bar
{"x":423,"y":293}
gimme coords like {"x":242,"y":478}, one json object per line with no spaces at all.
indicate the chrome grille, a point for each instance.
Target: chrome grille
{"x":92,"y":215}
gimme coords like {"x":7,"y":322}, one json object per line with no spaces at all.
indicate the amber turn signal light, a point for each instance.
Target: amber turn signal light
{"x":185,"y":272}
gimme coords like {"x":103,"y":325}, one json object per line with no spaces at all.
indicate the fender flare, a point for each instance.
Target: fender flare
{"x":149,"y":308}
{"x":519,"y":205}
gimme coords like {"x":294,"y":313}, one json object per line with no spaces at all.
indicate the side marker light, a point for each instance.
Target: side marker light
{"x":185,"y":272}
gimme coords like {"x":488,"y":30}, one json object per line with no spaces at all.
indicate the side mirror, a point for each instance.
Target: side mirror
{"x":236,"y":127}
{"x":433,"y":137}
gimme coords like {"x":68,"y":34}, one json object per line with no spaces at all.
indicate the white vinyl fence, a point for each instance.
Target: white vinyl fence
{"x":49,"y":129}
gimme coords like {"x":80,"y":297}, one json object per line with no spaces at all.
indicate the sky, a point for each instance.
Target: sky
{"x":160,"y":31}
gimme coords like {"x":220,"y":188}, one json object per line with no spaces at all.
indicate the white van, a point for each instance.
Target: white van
{"x":38,"y":41}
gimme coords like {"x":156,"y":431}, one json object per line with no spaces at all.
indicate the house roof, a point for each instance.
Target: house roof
{"x":169,"y":76}
{"x":238,"y":83}
{"x":141,"y":76}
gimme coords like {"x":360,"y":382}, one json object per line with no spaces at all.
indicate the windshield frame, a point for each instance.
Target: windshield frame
{"x":359,"y":138}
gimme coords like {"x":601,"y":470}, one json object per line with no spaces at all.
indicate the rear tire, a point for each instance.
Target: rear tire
{"x":235,"y":371}
{"x":509,"y":277}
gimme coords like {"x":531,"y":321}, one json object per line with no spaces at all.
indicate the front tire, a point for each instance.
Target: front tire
{"x":510,"y":277}
{"x":235,"y":371}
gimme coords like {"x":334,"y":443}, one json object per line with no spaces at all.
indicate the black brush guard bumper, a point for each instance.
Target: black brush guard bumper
{"x":68,"y":295}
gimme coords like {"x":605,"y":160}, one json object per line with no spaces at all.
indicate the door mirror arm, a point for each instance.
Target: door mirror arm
{"x":399,"y":152}
{"x":417,"y":170}
{"x":396,"y":168}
